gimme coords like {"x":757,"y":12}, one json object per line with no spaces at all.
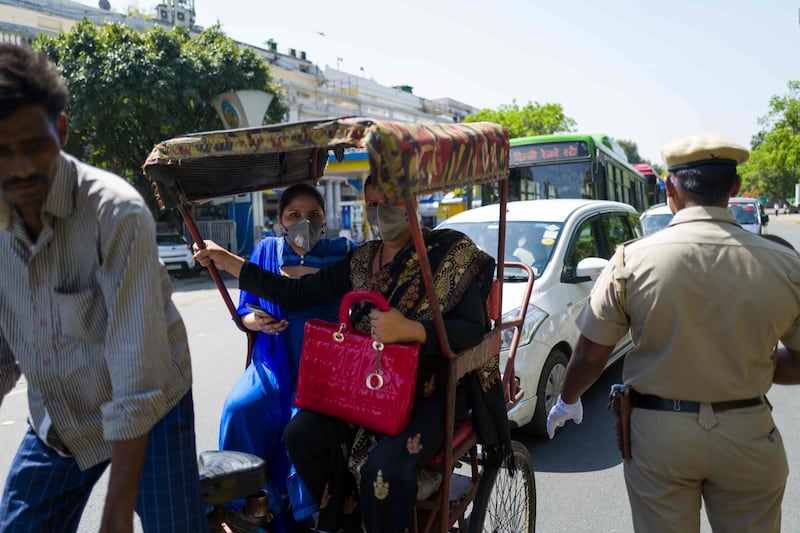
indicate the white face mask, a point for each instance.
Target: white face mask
{"x":304,"y":234}
{"x":387,"y":222}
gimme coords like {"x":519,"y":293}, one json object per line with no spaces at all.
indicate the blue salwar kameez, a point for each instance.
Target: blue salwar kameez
{"x":260,"y":404}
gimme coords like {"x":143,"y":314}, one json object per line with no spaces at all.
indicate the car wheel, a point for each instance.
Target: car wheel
{"x":550,"y":383}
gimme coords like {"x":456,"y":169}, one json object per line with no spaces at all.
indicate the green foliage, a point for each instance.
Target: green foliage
{"x":774,"y":164}
{"x":532,"y":119}
{"x":132,"y":89}
{"x":632,"y":152}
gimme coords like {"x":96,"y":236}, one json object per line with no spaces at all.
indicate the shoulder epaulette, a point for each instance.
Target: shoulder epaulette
{"x":621,"y":273}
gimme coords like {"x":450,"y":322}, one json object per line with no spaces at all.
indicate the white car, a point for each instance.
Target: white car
{"x":175,"y":252}
{"x":567,"y":243}
{"x":749,"y":214}
{"x":656,"y":218}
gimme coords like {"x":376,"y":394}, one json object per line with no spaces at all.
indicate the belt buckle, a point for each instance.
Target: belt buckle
{"x":676,"y":405}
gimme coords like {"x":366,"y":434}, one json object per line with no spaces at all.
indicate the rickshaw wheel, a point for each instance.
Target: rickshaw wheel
{"x":506,"y":503}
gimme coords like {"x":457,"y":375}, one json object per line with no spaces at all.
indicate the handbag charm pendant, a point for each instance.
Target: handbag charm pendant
{"x":338,"y":336}
{"x":375,"y":378}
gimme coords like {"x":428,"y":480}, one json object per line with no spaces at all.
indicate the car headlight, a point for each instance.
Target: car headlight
{"x":533,"y":319}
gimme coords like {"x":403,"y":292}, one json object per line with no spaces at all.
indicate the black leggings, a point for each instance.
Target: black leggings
{"x":319,"y":447}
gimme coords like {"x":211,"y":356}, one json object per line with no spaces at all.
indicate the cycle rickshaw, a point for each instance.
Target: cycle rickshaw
{"x":408,"y":159}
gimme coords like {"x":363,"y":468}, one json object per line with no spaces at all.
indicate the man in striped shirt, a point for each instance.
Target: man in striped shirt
{"x":86,"y":314}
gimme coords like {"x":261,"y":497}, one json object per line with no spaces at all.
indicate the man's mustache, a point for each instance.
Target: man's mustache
{"x":10,"y":183}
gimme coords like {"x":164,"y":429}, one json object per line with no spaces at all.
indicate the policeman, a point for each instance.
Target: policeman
{"x":706,"y":303}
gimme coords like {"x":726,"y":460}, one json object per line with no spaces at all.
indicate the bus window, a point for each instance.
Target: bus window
{"x":573,"y":166}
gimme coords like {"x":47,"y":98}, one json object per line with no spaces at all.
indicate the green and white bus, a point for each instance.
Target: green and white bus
{"x":572,"y":166}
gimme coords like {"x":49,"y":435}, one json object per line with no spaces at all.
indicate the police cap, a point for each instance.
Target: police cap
{"x":702,"y":149}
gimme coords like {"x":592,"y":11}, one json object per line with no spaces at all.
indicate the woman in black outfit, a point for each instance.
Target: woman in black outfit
{"x":356,"y":475}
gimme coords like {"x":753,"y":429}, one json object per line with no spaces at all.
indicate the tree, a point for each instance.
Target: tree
{"x":774,"y":165}
{"x":132,"y":89}
{"x":632,"y":152}
{"x":532,"y":119}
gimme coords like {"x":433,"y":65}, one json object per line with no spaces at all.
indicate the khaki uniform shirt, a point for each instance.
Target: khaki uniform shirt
{"x":86,"y":314}
{"x":708,"y":302}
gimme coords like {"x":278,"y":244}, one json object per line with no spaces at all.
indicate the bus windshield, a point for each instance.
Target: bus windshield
{"x":561,"y":180}
{"x":591,"y":166}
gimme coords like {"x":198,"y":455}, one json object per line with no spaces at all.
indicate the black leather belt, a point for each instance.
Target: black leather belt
{"x":657,"y":403}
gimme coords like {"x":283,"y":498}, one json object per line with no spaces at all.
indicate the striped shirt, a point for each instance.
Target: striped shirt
{"x":86,"y":314}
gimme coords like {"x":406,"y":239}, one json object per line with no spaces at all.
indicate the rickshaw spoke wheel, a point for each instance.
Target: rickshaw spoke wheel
{"x":506,"y":501}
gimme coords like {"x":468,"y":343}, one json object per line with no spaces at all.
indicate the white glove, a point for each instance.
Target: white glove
{"x":561,"y":412}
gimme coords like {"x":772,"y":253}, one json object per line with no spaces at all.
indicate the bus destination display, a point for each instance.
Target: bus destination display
{"x":554,"y":151}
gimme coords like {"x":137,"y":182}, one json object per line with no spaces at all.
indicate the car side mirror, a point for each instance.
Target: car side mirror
{"x":590,"y":268}
{"x":765,"y":219}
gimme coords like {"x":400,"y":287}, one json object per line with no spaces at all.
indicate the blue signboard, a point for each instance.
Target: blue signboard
{"x":347,"y":219}
{"x":241,"y":211}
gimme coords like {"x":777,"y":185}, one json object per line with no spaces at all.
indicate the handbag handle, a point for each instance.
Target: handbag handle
{"x":356,"y":296}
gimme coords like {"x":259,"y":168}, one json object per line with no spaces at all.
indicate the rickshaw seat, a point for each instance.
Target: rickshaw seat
{"x":227,"y":474}
{"x":463,"y":439}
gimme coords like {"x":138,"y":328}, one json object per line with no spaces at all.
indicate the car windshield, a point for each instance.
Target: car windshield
{"x":744,"y":213}
{"x":654,"y":223}
{"x":170,"y":240}
{"x":528,"y":242}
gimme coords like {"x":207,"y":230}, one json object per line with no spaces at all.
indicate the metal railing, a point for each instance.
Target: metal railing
{"x":222,"y":232}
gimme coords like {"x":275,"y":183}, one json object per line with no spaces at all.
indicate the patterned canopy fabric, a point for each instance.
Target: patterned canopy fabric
{"x":406,"y":158}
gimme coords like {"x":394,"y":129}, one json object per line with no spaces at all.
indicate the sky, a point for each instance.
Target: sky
{"x":649,"y":71}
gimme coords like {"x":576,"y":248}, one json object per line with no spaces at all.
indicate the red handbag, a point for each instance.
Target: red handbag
{"x":345,"y":374}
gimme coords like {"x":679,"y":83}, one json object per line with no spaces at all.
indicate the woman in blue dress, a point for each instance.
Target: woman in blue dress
{"x":260,"y":404}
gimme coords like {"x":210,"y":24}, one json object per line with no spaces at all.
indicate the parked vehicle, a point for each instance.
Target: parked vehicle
{"x":656,"y":190}
{"x":175,"y":252}
{"x":749,"y":214}
{"x":656,"y":218}
{"x":567,"y":243}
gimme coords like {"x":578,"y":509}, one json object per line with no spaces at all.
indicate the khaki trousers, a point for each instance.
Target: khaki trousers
{"x":734,"y":460}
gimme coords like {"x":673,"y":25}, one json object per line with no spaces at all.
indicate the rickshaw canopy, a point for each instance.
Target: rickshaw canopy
{"x":406,"y":158}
